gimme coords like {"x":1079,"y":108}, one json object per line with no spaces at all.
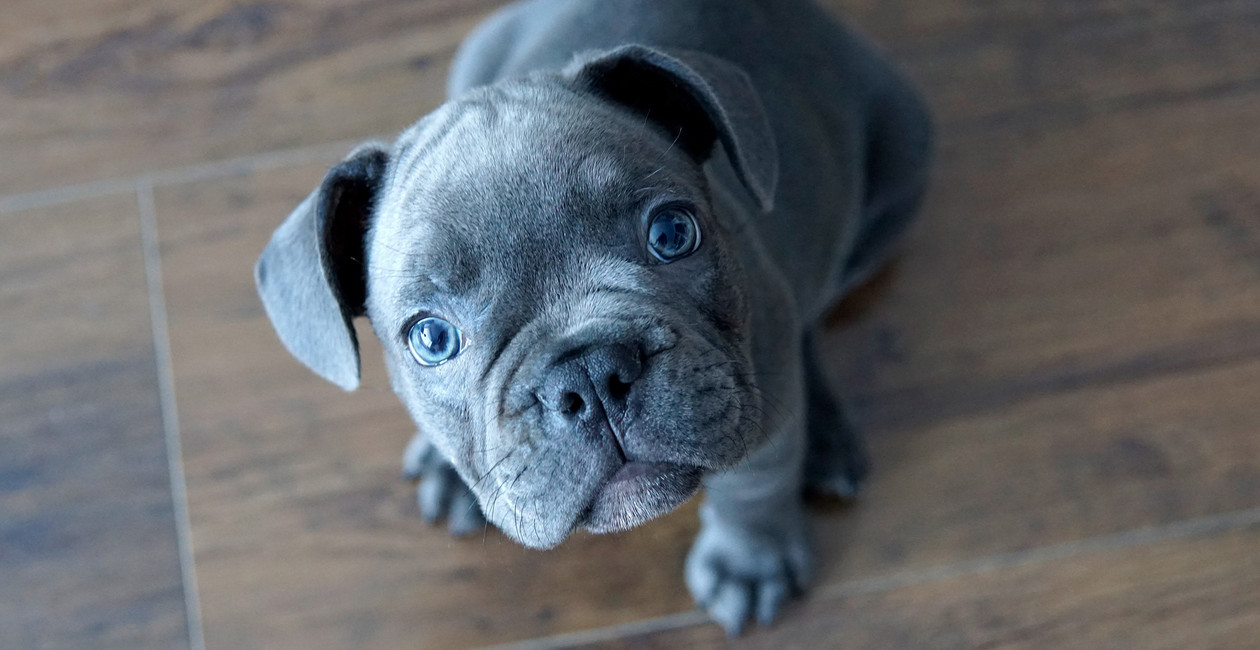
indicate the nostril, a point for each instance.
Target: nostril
{"x":618,"y":389}
{"x":571,"y":404}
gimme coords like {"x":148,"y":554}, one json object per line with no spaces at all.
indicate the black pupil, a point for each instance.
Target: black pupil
{"x":433,"y":341}
{"x":435,"y":336}
{"x":672,"y":234}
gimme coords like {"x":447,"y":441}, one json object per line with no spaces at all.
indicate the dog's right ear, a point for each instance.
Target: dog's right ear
{"x":698,"y":99}
{"x":311,"y":275}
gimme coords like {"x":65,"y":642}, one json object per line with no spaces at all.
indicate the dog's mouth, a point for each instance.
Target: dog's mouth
{"x":640,"y":447}
{"x":639,"y":491}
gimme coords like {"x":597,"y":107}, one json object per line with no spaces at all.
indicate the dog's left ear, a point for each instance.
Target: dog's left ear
{"x":697,"y":98}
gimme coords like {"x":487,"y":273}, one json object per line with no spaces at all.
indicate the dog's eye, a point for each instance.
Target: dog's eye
{"x":673,"y":234}
{"x":434,"y":341}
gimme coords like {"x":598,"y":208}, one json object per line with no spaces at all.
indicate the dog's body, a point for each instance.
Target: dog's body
{"x":594,"y":381}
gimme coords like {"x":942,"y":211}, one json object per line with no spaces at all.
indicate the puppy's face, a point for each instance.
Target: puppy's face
{"x":560,"y":309}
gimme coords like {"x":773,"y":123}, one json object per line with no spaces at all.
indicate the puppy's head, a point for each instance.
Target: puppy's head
{"x":561,"y":310}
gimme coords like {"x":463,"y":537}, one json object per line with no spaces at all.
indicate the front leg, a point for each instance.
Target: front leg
{"x":753,"y":551}
{"x":441,"y":494}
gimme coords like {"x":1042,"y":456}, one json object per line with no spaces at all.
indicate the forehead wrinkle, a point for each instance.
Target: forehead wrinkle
{"x":480,"y":110}
{"x":638,"y":165}
{"x":536,"y":151}
{"x":437,"y":264}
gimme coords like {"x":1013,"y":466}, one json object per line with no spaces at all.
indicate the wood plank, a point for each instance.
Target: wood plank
{"x":1121,"y":246}
{"x":106,"y":89}
{"x":1093,"y":209}
{"x":87,"y":533}
{"x":1025,"y":65}
{"x":112,"y":88}
{"x":1053,"y":469}
{"x":1189,"y":593}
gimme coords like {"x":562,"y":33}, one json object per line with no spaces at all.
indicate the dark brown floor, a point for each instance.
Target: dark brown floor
{"x":1060,"y":377}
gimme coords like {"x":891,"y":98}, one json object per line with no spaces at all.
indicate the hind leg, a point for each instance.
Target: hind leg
{"x":898,"y":156}
{"x":836,"y":461}
{"x":899,"y":151}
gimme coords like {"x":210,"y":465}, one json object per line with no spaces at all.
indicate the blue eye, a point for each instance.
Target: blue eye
{"x":434,"y":341}
{"x":673,"y":234}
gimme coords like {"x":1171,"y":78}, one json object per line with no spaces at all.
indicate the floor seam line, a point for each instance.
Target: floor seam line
{"x":150,"y":246}
{"x":224,"y":167}
{"x":1144,"y":536}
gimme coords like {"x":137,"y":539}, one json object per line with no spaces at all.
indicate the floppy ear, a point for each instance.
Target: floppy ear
{"x":311,"y":274}
{"x":697,"y":98}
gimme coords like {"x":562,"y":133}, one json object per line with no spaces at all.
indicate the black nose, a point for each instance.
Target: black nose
{"x":589,"y":384}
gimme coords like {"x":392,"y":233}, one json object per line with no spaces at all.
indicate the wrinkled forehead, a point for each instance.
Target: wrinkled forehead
{"x":509,"y":173}
{"x":526,"y":144}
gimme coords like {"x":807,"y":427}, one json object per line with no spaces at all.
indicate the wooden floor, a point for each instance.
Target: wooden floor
{"x":1060,"y":377}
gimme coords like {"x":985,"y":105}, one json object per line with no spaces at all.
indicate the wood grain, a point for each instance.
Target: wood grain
{"x":1194,"y":593}
{"x":1025,"y":65}
{"x":1068,"y":348}
{"x":103,"y":89}
{"x":92,"y":90}
{"x":1102,"y":251}
{"x":87,"y":535}
{"x":1052,"y":469}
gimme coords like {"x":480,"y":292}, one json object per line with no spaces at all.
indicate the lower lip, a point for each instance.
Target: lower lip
{"x":640,"y":491}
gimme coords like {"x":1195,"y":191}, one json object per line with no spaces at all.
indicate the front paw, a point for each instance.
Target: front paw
{"x":441,"y":494}
{"x":735,"y":572}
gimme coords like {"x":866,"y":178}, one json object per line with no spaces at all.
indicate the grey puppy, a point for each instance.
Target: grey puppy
{"x":598,"y":270}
